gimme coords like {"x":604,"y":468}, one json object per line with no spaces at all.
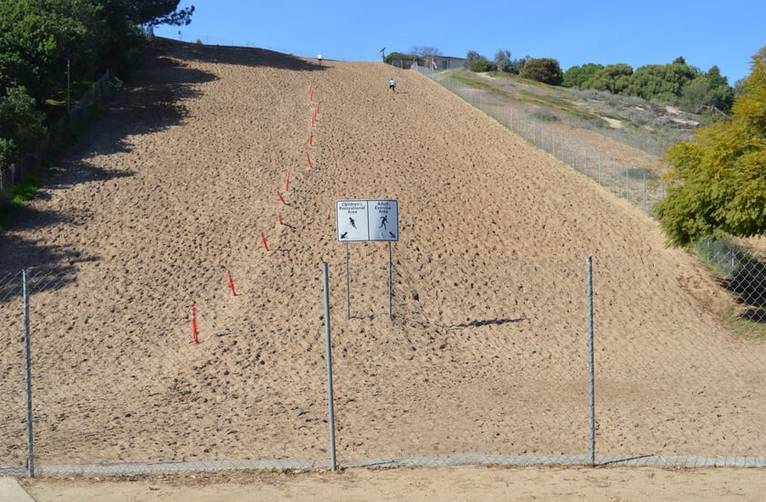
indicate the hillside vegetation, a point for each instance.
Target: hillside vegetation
{"x":645,"y":125}
{"x":677,"y":83}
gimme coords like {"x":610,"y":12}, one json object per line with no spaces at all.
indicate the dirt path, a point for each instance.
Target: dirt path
{"x":423,"y":485}
{"x":486,"y":353}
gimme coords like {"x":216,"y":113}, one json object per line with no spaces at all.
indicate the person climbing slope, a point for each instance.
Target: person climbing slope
{"x":392,"y":85}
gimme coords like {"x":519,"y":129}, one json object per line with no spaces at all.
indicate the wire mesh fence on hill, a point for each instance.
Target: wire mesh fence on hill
{"x":106,"y":369}
{"x":639,"y":185}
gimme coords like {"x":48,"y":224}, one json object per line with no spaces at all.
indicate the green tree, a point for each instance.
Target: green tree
{"x":39,"y":39}
{"x":38,"y":36}
{"x":503,"y":60}
{"x":613,"y":78}
{"x":517,"y":65}
{"x":546,"y":70}
{"x":470,"y":57}
{"x":662,"y":82}
{"x":707,"y":91}
{"x":576,"y":76}
{"x":718,"y":179}
{"x":395,"y":57}
{"x":481,"y":64}
{"x":21,"y":125}
{"x":123,"y":18}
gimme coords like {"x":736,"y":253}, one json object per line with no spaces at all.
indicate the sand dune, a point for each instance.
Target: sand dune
{"x":487,"y":348}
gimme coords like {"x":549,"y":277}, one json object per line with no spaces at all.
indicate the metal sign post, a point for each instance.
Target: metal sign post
{"x":368,"y":221}
{"x":348,"y":283}
{"x":390,"y":282}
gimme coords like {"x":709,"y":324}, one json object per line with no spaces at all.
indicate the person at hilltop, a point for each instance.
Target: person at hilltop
{"x":392,"y":85}
{"x":319,"y":58}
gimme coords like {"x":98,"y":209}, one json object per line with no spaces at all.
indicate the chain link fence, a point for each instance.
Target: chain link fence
{"x":740,"y":268}
{"x":638,"y":184}
{"x":105,"y":367}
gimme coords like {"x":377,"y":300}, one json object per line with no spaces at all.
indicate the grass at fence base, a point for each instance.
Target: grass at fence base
{"x":21,"y":193}
{"x":744,"y":326}
{"x":30,"y":184}
{"x":731,"y":261}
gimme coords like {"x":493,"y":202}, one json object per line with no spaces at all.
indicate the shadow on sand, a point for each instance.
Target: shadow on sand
{"x":486,"y":322}
{"x":153,"y":102}
{"x":244,"y":56}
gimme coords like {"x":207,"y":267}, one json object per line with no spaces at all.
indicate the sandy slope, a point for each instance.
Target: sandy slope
{"x":487,"y":349}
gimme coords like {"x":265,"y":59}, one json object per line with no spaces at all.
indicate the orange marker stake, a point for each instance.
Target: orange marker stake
{"x":308,"y":161}
{"x":311,"y":138}
{"x":194,"y":331}
{"x":264,"y":241}
{"x":279,"y":194}
{"x":311,"y":91}
{"x":231,"y":283}
{"x":279,"y":219}
{"x":314,"y":117}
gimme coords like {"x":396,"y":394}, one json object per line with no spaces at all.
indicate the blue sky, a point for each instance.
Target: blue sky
{"x":726,"y":33}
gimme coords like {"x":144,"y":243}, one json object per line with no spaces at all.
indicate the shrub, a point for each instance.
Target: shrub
{"x":664,"y":82}
{"x":706,"y":92}
{"x":613,"y":78}
{"x":21,"y":125}
{"x":676,"y":83}
{"x":546,"y":70}
{"x":7,"y":152}
{"x":717,"y":182}
{"x":545,"y":116}
{"x":503,"y":60}
{"x":399,"y":56}
{"x":517,"y":65}
{"x":470,"y":57}
{"x":577,"y":75}
{"x":481,"y":65}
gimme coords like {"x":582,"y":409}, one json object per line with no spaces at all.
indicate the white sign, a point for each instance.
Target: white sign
{"x":367,"y":220}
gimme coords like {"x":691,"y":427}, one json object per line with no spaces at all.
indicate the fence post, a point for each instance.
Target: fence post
{"x":646,"y":205}
{"x":390,"y":283}
{"x":591,"y":361}
{"x":28,"y":377}
{"x":328,"y":362}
